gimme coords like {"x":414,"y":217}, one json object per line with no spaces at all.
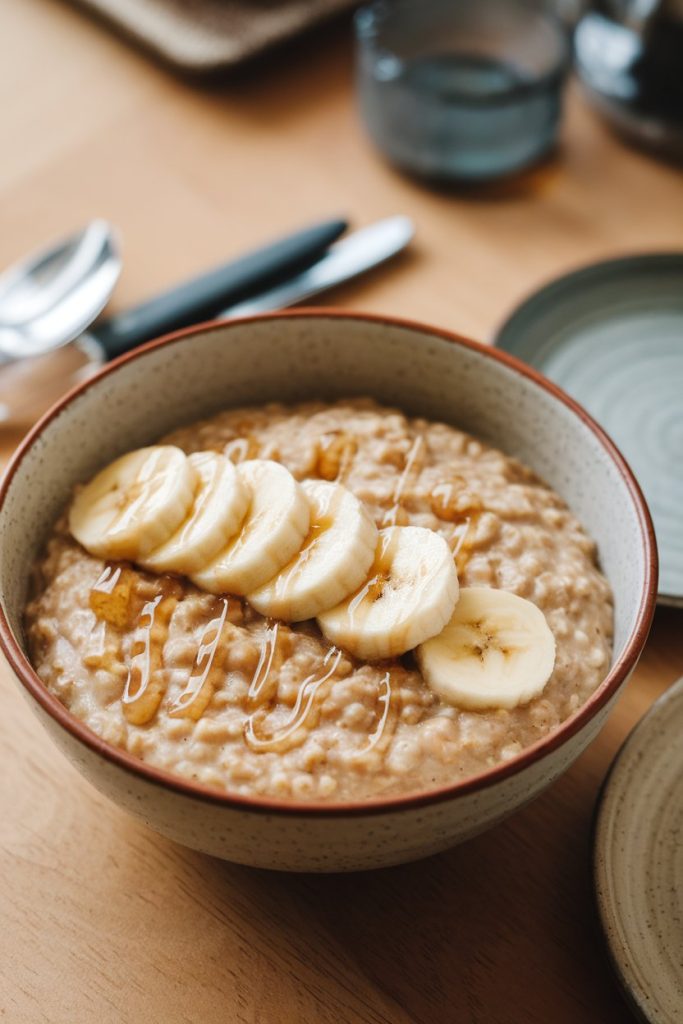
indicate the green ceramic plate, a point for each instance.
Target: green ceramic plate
{"x":611,"y":335}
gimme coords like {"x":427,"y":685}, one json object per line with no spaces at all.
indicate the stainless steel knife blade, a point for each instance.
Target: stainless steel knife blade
{"x":360,"y":251}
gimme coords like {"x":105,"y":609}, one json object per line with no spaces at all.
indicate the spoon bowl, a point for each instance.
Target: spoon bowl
{"x":49,"y":299}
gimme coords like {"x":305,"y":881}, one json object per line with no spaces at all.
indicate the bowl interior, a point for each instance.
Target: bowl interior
{"x":323,"y":356}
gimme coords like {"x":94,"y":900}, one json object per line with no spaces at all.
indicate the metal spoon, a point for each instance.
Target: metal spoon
{"x":50,"y":299}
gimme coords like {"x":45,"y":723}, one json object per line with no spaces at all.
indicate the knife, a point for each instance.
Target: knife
{"x":358,"y":252}
{"x":202,"y":297}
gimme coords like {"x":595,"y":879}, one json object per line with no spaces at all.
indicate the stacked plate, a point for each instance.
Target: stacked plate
{"x":639,"y":862}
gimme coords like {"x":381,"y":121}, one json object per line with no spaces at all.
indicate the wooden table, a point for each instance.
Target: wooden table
{"x":104,"y":921}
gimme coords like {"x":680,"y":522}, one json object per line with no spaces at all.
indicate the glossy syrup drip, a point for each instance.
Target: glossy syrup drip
{"x":210,"y":481}
{"x":443,"y":498}
{"x":103,"y":648}
{"x":146,"y":684}
{"x":452,"y":503}
{"x":336,"y":456}
{"x":108,"y":578}
{"x":391,"y":516}
{"x":193,"y":700}
{"x":241,"y":449}
{"x":140,"y":671}
{"x":459,"y":535}
{"x":379,"y":574}
{"x":381,"y":734}
{"x":263,"y":685}
{"x":291,"y":733}
{"x":460,"y":541}
{"x":303,"y":555}
{"x":110,"y":601}
{"x":111,"y":595}
{"x":323,"y":519}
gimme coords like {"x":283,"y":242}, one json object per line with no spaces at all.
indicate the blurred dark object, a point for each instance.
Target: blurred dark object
{"x":205,"y":36}
{"x":464,"y":92}
{"x":629,"y":56}
{"x":568,"y":11}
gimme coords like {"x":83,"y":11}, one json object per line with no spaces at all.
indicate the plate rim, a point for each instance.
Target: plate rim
{"x":554,"y":287}
{"x":630,"y":990}
{"x":565,"y":281}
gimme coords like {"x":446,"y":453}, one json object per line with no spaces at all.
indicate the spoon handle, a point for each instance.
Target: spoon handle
{"x":204,"y":296}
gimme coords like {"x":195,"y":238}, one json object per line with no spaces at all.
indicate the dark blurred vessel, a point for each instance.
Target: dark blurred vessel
{"x":629,"y":56}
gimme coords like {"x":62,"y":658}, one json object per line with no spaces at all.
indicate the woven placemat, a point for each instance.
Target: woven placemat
{"x":202,"y":36}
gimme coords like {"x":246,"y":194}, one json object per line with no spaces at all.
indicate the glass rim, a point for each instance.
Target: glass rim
{"x":367,"y":18}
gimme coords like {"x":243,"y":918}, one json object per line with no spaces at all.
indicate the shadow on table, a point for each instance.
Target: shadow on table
{"x":502,"y":929}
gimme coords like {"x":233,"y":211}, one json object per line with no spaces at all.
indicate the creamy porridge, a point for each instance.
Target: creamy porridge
{"x":261,"y":705}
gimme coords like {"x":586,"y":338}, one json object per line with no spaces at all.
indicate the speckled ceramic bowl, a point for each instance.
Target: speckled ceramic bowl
{"x":325,"y":355}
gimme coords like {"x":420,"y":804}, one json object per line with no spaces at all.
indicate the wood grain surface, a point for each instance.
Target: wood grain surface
{"x":101,"y":920}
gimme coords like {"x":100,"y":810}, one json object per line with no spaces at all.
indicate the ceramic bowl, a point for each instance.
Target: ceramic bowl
{"x":326,"y":354}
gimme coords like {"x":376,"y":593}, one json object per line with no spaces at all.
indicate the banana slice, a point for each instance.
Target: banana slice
{"x":134,"y":504}
{"x":215,"y":517}
{"x":409,"y":597}
{"x":497,"y":651}
{"x":274,"y":529}
{"x":334,"y":560}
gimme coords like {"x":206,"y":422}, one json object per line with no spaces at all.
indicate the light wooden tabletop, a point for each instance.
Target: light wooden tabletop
{"x":101,"y":919}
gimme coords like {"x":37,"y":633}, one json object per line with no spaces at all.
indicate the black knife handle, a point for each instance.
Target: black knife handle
{"x":208,"y":294}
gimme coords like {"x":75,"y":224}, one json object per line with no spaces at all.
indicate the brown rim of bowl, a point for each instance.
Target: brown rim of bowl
{"x":377,"y":805}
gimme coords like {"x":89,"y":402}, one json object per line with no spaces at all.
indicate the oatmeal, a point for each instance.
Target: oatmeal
{"x":202,"y":685}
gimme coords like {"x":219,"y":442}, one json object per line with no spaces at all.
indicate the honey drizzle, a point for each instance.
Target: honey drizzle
{"x":346,"y":462}
{"x":336,"y":457}
{"x":380,"y":734}
{"x":323,"y":519}
{"x":103,"y":648}
{"x":240,"y":449}
{"x":441,"y":497}
{"x":389,"y":518}
{"x":110,"y":601}
{"x":262,"y":673}
{"x":451,"y":502}
{"x":145,"y":685}
{"x":374,"y":585}
{"x":111,"y":597}
{"x":108,"y":579}
{"x":300,"y":713}
{"x":193,"y":700}
{"x":459,"y":535}
{"x":460,"y":539}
